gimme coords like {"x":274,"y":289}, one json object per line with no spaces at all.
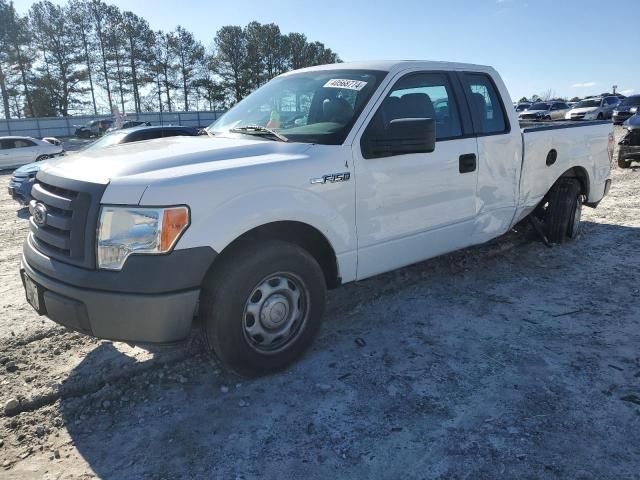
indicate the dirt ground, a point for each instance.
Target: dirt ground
{"x":508,"y":360}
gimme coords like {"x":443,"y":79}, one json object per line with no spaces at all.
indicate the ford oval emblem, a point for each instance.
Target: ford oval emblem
{"x":39,"y":214}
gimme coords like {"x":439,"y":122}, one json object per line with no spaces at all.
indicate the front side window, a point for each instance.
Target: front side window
{"x":420,"y":95}
{"x":487,"y":110}
{"x":6,"y":144}
{"x":312,"y":107}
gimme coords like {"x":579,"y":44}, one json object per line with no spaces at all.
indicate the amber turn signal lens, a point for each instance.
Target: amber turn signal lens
{"x":174,"y":222}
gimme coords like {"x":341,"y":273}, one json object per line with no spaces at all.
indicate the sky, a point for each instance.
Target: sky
{"x":572,"y":47}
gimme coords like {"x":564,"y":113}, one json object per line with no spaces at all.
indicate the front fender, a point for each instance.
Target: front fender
{"x":227,"y":221}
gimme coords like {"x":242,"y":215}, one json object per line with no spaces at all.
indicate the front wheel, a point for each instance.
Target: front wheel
{"x":42,"y":157}
{"x":262,"y":306}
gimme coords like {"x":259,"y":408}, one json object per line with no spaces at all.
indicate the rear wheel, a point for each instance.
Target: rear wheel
{"x":600,"y":116}
{"x":563,"y":211}
{"x":262,"y":306}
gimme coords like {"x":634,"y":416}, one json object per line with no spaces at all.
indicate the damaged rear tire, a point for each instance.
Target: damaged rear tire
{"x":563,"y":211}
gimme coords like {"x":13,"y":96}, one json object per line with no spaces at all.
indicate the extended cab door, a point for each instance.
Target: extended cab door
{"x":414,"y":206}
{"x":499,"y":153}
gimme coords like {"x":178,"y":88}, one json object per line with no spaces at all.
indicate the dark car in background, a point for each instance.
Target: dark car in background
{"x":94,"y":128}
{"x":22,"y":179}
{"x":629,"y":150}
{"x":627,"y":108}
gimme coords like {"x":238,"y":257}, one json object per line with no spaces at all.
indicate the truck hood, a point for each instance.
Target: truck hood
{"x":154,"y":156}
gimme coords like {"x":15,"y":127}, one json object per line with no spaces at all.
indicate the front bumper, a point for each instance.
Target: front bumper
{"x":152,"y":300}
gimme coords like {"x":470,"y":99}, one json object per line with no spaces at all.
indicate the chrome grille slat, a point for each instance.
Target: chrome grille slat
{"x":50,"y":236}
{"x":50,"y":198}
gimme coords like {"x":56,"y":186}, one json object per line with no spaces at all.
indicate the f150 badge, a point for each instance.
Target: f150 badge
{"x":332,"y":178}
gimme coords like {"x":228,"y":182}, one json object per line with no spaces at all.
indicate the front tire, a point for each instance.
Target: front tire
{"x":262,"y":306}
{"x":42,"y":157}
{"x":563,"y":211}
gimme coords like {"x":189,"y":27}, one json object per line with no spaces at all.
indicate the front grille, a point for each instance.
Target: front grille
{"x":67,"y":211}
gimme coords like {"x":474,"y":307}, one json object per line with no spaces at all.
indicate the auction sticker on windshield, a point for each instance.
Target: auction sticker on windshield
{"x":345,"y":83}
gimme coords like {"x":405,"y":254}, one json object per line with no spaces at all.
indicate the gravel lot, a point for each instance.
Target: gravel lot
{"x":509,"y":360}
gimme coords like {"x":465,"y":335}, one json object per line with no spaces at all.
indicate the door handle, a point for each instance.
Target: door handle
{"x":468,"y":163}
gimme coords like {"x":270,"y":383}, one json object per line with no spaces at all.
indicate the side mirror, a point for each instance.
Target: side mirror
{"x":402,"y":136}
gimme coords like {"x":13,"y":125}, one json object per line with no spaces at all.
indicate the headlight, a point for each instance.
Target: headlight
{"x":123,"y":231}
{"x":633,"y":110}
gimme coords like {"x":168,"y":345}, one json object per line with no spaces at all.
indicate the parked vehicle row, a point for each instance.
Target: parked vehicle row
{"x":383,"y":165}
{"x":21,"y":182}
{"x":597,"y":108}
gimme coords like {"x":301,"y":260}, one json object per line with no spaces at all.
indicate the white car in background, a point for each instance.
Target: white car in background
{"x":599,"y":108}
{"x":17,"y":151}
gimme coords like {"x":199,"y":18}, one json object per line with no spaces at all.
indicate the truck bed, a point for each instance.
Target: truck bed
{"x":551,"y":149}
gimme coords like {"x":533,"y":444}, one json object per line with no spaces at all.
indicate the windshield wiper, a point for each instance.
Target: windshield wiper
{"x":259,"y":130}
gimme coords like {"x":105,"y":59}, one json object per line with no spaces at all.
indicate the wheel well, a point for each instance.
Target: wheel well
{"x":301,"y":234}
{"x":583,"y":177}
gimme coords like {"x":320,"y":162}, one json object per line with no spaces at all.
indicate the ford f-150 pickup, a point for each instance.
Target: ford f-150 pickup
{"x":323,"y":176}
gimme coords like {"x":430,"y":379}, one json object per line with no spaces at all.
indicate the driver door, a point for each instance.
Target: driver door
{"x":411,"y":207}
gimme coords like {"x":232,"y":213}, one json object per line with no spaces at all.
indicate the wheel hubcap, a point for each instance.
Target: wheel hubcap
{"x":275,"y":312}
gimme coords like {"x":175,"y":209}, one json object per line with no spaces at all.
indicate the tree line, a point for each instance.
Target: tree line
{"x":90,"y":57}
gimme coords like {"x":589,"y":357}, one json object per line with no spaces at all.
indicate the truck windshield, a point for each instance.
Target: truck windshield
{"x":311,"y":107}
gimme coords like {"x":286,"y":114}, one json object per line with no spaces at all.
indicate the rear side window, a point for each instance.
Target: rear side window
{"x":612,"y":100}
{"x":23,"y":143}
{"x":487,"y":110}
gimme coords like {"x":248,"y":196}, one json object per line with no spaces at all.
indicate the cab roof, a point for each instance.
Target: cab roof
{"x":396,"y":66}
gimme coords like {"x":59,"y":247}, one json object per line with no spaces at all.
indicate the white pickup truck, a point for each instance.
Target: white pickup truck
{"x":323,"y":176}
